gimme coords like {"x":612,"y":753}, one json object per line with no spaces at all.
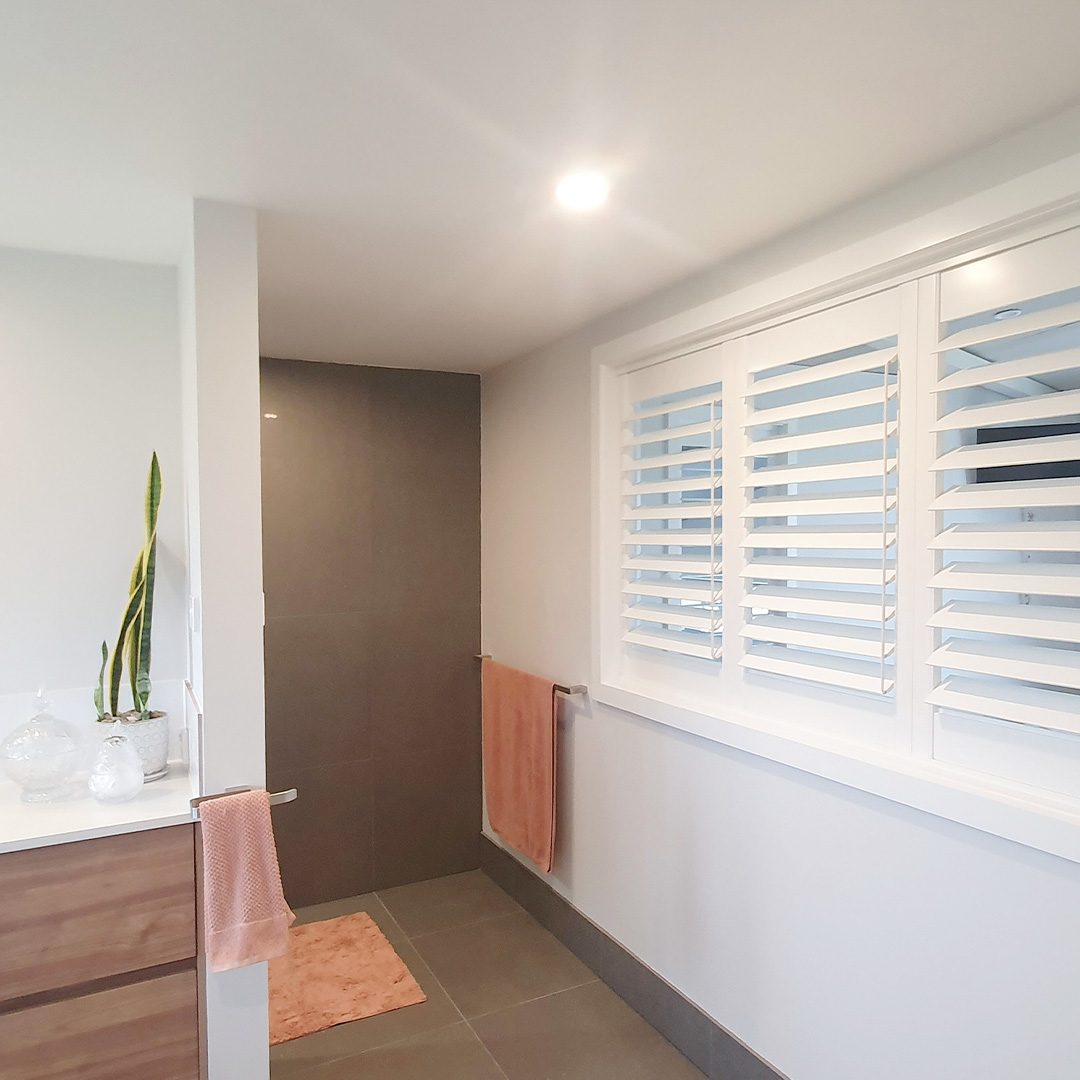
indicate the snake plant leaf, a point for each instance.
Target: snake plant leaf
{"x":143,"y":687}
{"x":153,"y":498}
{"x":99,"y":691}
{"x":133,"y":639}
{"x":143,"y":627}
{"x":136,"y":574}
{"x":135,"y":632}
{"x":135,"y":629}
{"x":116,"y":668}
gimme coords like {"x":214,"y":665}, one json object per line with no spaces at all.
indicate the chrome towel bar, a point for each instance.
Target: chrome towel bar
{"x":276,"y":798}
{"x":574,"y":690}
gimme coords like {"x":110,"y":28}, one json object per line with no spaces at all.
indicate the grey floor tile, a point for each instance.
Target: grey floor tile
{"x":453,"y":1053}
{"x":587,"y":1033}
{"x":447,"y":902}
{"x":298,"y":1057}
{"x":367,"y":902}
{"x":499,"y":962}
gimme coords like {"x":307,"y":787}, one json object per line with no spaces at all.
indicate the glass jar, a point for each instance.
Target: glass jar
{"x":117,"y":774}
{"x":41,"y":756}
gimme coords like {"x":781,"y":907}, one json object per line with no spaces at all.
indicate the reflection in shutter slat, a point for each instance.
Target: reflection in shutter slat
{"x":1010,"y":701}
{"x":1050,"y":623}
{"x":832,"y":570}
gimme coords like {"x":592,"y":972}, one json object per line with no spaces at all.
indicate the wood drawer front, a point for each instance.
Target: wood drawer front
{"x":77,"y":912}
{"x":143,"y":1031}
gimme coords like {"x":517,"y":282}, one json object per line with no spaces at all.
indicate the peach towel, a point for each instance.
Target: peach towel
{"x":336,"y":971}
{"x":519,"y":760}
{"x":245,"y":917}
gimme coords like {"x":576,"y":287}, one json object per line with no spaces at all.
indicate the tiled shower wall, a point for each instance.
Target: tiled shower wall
{"x":371,"y":548}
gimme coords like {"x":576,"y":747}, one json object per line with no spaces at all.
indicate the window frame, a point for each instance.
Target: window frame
{"x":823,"y":737}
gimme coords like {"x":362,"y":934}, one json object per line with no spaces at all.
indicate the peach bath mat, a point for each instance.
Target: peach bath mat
{"x":335,"y":971}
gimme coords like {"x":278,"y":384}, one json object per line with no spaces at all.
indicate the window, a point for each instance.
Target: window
{"x":1007,"y":491}
{"x":859,"y":526}
{"x":673,"y":523}
{"x":820,"y":467}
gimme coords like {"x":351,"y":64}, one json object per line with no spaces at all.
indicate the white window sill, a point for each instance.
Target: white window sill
{"x":1037,"y":819}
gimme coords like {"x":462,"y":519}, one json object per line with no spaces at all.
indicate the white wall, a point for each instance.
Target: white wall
{"x":219,"y":289}
{"x":89,"y":387}
{"x":840,"y":935}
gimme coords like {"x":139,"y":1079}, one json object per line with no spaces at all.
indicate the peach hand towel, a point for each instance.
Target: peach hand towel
{"x":245,"y":916}
{"x":519,"y":760}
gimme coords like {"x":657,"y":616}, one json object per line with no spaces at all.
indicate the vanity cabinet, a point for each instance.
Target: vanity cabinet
{"x":98,"y":974}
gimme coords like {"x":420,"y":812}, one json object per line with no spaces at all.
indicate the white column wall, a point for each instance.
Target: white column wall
{"x":220,"y":359}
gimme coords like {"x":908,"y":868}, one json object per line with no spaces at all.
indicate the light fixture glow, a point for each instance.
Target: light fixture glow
{"x":1007,"y":313}
{"x":582,"y":191}
{"x":270,"y":415}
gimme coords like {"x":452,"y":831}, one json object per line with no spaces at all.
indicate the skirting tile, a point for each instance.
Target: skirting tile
{"x":715,"y":1051}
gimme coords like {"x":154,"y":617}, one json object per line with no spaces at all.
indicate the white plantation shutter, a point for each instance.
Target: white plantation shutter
{"x":820,"y":501}
{"x":1007,"y":512}
{"x":870,"y":510}
{"x":672,"y":522}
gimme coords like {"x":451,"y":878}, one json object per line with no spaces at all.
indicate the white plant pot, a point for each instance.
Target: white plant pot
{"x":149,"y":737}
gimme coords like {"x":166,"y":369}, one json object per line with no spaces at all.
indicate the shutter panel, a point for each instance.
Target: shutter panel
{"x":672,"y":522}
{"x":1007,"y":516}
{"x":820,"y":503}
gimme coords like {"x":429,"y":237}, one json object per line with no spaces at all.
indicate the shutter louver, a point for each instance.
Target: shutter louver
{"x":1007,"y":516}
{"x":821,"y":469}
{"x":672,"y":523}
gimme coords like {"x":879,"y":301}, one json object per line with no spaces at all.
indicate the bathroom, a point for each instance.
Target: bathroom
{"x":410,"y":353}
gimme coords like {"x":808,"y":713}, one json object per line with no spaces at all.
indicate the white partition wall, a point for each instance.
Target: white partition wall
{"x":220,"y":361}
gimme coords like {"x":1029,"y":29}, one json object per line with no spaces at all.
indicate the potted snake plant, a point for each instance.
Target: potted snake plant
{"x":146,"y":729}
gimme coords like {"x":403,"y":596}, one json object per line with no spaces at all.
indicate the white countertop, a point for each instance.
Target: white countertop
{"x":81,"y":817}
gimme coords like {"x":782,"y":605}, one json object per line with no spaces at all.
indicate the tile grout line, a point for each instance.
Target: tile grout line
{"x":438,"y":982}
{"x":391,"y":918}
{"x":467,"y":1020}
{"x":472,"y":922}
{"x":487,"y":1050}
{"x":539,"y":997}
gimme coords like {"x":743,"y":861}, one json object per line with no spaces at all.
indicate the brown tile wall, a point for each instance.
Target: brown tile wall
{"x":371,"y":556}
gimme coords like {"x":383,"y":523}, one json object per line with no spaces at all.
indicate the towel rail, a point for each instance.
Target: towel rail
{"x":276,"y":798}
{"x":574,"y":690}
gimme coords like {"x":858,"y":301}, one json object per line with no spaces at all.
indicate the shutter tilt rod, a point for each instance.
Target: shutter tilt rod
{"x":576,"y":690}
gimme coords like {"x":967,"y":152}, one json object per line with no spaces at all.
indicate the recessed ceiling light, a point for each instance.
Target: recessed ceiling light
{"x":582,"y":191}
{"x":270,"y":415}
{"x":1007,"y":313}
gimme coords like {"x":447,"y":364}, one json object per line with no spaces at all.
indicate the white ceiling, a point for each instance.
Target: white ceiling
{"x":402,"y":153}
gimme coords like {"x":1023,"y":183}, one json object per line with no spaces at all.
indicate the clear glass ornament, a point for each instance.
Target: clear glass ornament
{"x":117,"y":774}
{"x":41,"y":755}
